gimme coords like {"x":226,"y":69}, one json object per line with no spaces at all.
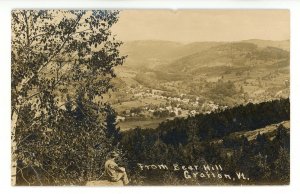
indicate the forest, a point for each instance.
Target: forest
{"x":207,"y":139}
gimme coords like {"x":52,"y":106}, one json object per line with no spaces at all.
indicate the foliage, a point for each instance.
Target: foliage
{"x":210,"y":139}
{"x":62,"y":64}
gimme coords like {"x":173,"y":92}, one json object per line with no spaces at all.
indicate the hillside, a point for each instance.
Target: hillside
{"x":268,"y":130}
{"x":152,"y":52}
{"x":230,"y":56}
{"x":284,"y":44}
{"x":253,"y":139}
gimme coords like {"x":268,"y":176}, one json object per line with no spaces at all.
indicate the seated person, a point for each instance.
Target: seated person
{"x":113,"y":171}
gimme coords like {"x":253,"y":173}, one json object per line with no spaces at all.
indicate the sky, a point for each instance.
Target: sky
{"x":202,"y":25}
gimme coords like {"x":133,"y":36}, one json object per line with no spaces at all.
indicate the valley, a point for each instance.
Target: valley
{"x":162,"y":80}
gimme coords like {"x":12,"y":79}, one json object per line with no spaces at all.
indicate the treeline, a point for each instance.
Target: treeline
{"x":206,"y":138}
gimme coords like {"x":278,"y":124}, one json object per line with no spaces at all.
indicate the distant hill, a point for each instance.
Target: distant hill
{"x":151,"y":53}
{"x":157,"y":54}
{"x":149,"y":49}
{"x":284,"y":44}
{"x":239,"y":54}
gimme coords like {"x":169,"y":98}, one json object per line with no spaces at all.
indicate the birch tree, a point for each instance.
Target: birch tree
{"x":61,"y":60}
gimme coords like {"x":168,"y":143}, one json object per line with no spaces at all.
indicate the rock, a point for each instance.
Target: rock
{"x":104,"y":183}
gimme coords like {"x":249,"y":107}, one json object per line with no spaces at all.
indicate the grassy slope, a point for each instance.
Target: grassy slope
{"x":268,"y":130}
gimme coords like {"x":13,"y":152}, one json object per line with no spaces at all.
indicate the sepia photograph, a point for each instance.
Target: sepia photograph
{"x":150,"y":97}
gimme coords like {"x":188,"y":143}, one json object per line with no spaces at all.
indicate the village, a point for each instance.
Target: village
{"x":181,"y":105}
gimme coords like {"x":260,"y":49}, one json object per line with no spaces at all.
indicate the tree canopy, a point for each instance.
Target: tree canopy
{"x":62,"y":64}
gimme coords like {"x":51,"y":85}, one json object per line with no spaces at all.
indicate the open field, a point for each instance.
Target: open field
{"x":146,"y":123}
{"x":268,"y":130}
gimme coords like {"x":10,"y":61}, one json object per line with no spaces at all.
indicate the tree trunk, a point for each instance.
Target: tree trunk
{"x":14,"y":120}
